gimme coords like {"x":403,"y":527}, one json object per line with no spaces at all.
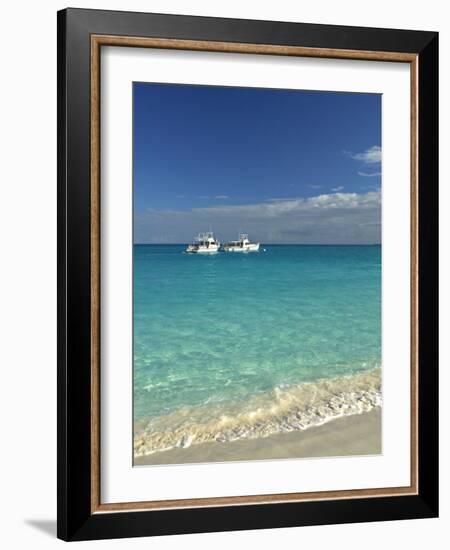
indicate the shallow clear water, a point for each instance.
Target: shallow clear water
{"x":223,"y":334}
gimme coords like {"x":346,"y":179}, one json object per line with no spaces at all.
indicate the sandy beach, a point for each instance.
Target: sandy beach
{"x":358,"y":434}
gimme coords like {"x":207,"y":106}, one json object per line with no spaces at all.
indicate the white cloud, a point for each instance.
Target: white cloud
{"x":221,"y":197}
{"x":281,"y":199}
{"x":369,"y":174}
{"x":327,"y":218}
{"x":372,"y":155}
{"x":338,"y":188}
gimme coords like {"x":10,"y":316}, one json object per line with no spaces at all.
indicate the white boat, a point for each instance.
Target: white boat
{"x":241,"y":245}
{"x":205,"y":243}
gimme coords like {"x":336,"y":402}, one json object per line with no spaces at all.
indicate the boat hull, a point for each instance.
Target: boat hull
{"x":245,"y":248}
{"x":210,"y":250}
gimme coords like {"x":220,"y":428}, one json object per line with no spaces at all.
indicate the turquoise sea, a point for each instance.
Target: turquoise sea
{"x":231,"y":346}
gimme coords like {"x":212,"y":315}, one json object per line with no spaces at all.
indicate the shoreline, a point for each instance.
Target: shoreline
{"x":296,"y":408}
{"x":352,"y":435}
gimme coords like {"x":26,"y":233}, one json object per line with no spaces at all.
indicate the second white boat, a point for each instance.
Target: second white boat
{"x":243,"y":244}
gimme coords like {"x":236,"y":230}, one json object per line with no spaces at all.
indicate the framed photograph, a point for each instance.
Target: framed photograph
{"x":247,"y":274}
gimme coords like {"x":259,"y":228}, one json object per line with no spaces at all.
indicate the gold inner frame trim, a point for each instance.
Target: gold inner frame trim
{"x":97,"y":41}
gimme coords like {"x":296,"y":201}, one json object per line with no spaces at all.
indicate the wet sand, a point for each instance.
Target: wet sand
{"x":358,"y":434}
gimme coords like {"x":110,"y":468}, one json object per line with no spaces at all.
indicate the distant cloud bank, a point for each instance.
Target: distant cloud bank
{"x":334,"y":218}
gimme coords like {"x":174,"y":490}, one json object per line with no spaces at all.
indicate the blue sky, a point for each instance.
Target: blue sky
{"x":285,"y":166}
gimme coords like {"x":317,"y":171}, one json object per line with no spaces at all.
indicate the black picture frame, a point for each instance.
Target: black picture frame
{"x":76,"y":521}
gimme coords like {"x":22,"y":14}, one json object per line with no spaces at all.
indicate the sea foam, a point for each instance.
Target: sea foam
{"x":283,"y":409}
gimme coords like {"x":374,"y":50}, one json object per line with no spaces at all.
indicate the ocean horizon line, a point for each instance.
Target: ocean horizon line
{"x":270,"y":244}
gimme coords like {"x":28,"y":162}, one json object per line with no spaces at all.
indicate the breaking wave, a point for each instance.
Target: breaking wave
{"x":283,"y":409}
